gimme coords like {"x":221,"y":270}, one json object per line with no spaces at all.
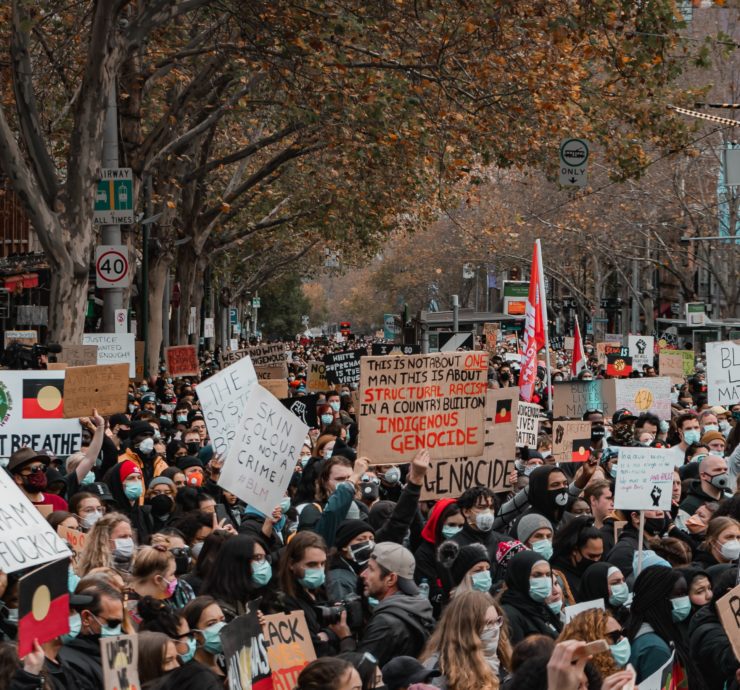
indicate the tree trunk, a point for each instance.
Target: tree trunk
{"x":190,"y":270}
{"x":67,"y":306}
{"x":157,"y":278}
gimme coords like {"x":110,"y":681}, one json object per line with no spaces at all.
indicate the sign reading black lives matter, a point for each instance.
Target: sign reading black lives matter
{"x":343,"y":368}
{"x":723,"y":373}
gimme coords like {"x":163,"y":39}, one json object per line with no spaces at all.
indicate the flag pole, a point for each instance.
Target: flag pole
{"x":544,"y":323}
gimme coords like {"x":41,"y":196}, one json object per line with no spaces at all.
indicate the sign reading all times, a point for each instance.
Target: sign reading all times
{"x":114,"y":197}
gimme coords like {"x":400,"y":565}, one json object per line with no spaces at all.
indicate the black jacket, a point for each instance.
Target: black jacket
{"x":709,"y":645}
{"x":527,"y":617}
{"x":82,"y":656}
{"x":191,"y":676}
{"x":624,"y":550}
{"x":695,"y":498}
{"x":438,"y":577}
{"x":400,"y":626}
{"x":491,"y":540}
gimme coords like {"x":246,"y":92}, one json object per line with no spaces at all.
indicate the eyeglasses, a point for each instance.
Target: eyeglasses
{"x":615,"y":636}
{"x":33,"y":470}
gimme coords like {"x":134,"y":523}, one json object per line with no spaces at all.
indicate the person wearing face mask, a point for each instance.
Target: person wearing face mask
{"x":689,"y":433}
{"x":721,"y":545}
{"x":160,"y":497}
{"x":592,"y":625}
{"x":576,"y":546}
{"x":605,"y":581}
{"x":326,"y":417}
{"x":528,"y":585}
{"x":141,"y":451}
{"x":193,"y":470}
{"x":205,"y":620}
{"x":28,"y":469}
{"x":353,"y":545}
{"x":87,"y":507}
{"x":535,"y":532}
{"x":469,"y":567}
{"x":712,"y":485}
{"x":715,"y":442}
{"x":109,"y":544}
{"x":390,"y":482}
{"x":476,"y":507}
{"x":127,"y":488}
{"x":548,"y":494}
{"x":152,"y":575}
{"x":622,"y":555}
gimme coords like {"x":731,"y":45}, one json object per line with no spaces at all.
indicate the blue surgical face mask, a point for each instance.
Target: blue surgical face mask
{"x":613,"y":471}
{"x":621,"y":652}
{"x":544,"y":548}
{"x":711,"y":427}
{"x":372,"y":602}
{"x":212,"y":638}
{"x":620,"y":594}
{"x":261,"y":573}
{"x":449,"y":531}
{"x":75,"y":625}
{"x":540,"y":588}
{"x":313,"y":578}
{"x":482,"y":581}
{"x":285,"y":505}
{"x":188,"y":656}
{"x":555,"y":606}
{"x":73,"y":579}
{"x":334,"y":405}
{"x":107,"y":630}
{"x":327,"y":419}
{"x":132,"y":490}
{"x":691,"y":436}
{"x":89,"y":478}
{"x":680,"y":609}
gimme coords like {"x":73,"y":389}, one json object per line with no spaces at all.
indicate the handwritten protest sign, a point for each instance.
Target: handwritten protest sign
{"x":271,"y":373}
{"x":21,"y":337}
{"x":267,"y":355}
{"x":114,"y":348}
{"x":451,"y":478}
{"x":119,"y":657}
{"x":103,"y":387}
{"x":289,"y":647}
{"x":261,"y":460}
{"x":642,"y":350}
{"x":316,"y":377}
{"x":434,"y":401}
{"x":603,"y":348}
{"x":571,"y":441}
{"x":139,"y":350}
{"x":223,"y":399}
{"x":645,"y":395}
{"x":344,"y":367}
{"x":527,"y":425}
{"x":182,"y":360}
{"x":304,"y":407}
{"x":644,"y":479}
{"x":571,"y":399}
{"x":491,"y":331}
{"x":74,"y":355}
{"x":670,"y":364}
{"x":728,"y":608}
{"x":74,"y":537}
{"x":723,"y":373}
{"x":245,"y":653}
{"x":278,"y":387}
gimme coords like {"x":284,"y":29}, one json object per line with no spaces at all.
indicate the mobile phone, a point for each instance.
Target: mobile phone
{"x":596,"y":647}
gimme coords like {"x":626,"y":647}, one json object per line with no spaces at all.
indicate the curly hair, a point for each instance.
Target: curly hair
{"x":589,"y":626}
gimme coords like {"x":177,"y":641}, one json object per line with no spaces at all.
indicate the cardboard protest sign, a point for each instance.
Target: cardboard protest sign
{"x":491,"y":331}
{"x":451,"y":478}
{"x":572,"y":398}
{"x":74,"y":355}
{"x":304,"y":407}
{"x":569,"y":343}
{"x":270,"y":373}
{"x":382,"y":349}
{"x":723,"y":373}
{"x":602,"y":348}
{"x":289,"y":647}
{"x":260,"y":461}
{"x":571,"y":441}
{"x":74,"y":537}
{"x":182,"y":360}
{"x":670,"y":364}
{"x":26,"y":538}
{"x":728,"y":608}
{"x":119,"y":657}
{"x":344,"y":367}
{"x":21,"y":337}
{"x":32,"y":413}
{"x":645,"y":395}
{"x":269,"y":355}
{"x":43,"y":605}
{"x":139,"y":350}
{"x":316,"y":377}
{"x":114,"y":348}
{"x":245,"y":652}
{"x":618,"y":366}
{"x":502,"y":405}
{"x":223,"y":399}
{"x":642,"y":350}
{"x":527,"y":425}
{"x":278,"y":387}
{"x":434,"y":401}
{"x":103,"y":387}
{"x":644,"y":479}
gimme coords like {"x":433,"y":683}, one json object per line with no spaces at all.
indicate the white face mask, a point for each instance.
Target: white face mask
{"x":730,"y":550}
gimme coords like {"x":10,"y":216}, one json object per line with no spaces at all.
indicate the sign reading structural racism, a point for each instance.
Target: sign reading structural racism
{"x":434,"y":402}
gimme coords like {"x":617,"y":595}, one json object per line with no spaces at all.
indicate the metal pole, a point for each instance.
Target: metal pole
{"x":635,"y":312}
{"x":455,"y":314}
{"x":111,"y":234}
{"x":256,"y":314}
{"x":166,"y":311}
{"x":145,"y":273}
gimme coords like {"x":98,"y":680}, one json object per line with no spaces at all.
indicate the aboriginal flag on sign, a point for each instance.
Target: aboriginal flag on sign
{"x":43,"y":398}
{"x":503,"y":412}
{"x":619,"y":366}
{"x":581,"y":450}
{"x":43,"y":605}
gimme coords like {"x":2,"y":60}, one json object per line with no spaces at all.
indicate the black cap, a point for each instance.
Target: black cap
{"x":100,"y":489}
{"x":140,"y":428}
{"x":119,"y":419}
{"x":404,"y":671}
{"x":623,"y":415}
{"x":187,"y":461}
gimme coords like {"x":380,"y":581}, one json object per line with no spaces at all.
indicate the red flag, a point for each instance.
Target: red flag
{"x":534,"y":328}
{"x":579,"y":361}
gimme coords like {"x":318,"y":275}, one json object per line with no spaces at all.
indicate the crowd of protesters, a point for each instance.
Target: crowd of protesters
{"x":466,"y":593}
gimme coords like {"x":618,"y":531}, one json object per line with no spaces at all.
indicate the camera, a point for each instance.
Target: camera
{"x":352,"y":604}
{"x":21,"y":356}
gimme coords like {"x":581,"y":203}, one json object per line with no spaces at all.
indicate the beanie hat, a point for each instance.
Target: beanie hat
{"x":187,"y":461}
{"x":126,"y":468}
{"x":460,"y":559}
{"x":710,"y":436}
{"x":157,"y":481}
{"x":349,"y":529}
{"x":529,"y":524}
{"x":507,"y":549}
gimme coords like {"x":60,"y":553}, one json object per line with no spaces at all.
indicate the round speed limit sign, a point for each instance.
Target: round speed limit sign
{"x":111,"y":266}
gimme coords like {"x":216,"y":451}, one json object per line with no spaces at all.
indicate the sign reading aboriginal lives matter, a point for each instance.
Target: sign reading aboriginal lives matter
{"x":435,"y":402}
{"x":343,"y":368}
{"x":723,"y":373}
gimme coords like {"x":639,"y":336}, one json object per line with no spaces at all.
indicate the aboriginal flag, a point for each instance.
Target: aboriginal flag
{"x":581,"y":450}
{"x":43,"y":398}
{"x":619,"y":366}
{"x":503,"y":412}
{"x":43,"y":605}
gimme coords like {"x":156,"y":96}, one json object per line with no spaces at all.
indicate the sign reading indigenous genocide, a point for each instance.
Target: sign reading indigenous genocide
{"x":645,"y":395}
{"x":114,"y":348}
{"x":343,"y":368}
{"x":223,"y":399}
{"x":571,"y":441}
{"x":644,"y":479}
{"x":723,"y":373}
{"x":289,"y":647}
{"x":103,"y":387}
{"x":572,"y":398}
{"x":119,"y":657}
{"x":262,"y":458}
{"x":527,"y":425}
{"x":434,"y":401}
{"x":182,"y":360}
{"x":32,"y":414}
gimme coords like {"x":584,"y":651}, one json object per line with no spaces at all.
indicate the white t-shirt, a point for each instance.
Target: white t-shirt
{"x":678,"y":454}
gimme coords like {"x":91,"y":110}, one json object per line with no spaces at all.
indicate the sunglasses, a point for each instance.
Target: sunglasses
{"x":614,"y":636}
{"x":33,"y":470}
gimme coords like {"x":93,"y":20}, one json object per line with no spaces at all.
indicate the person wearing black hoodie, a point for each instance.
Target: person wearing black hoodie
{"x":121,"y":480}
{"x":548,"y":495}
{"x":576,"y":546}
{"x":624,"y":550}
{"x":528,"y":585}
{"x":605,"y":581}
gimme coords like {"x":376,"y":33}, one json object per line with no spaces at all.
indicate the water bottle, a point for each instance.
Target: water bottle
{"x":424,"y":588}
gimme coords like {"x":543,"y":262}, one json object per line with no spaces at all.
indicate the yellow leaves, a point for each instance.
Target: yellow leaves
{"x":171,"y":204}
{"x":470,"y":27}
{"x":225,"y":208}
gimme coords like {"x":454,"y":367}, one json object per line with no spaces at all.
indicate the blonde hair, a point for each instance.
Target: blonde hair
{"x":589,"y":626}
{"x":151,"y":560}
{"x":460,"y":653}
{"x":716,"y":526}
{"x":97,"y":552}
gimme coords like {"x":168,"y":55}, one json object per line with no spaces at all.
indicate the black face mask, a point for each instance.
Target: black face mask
{"x":654,"y":526}
{"x":361,"y":552}
{"x":597,"y":432}
{"x":558,"y":497}
{"x":369,"y":490}
{"x":182,"y":561}
{"x":123,"y":434}
{"x":193,"y":447}
{"x":161,"y":504}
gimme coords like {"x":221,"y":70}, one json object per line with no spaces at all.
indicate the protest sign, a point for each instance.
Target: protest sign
{"x":569,"y":343}
{"x":601,"y":351}
{"x":271,"y":373}
{"x":570,"y":612}
{"x":645,"y":395}
{"x":491,"y":332}
{"x":451,"y":478}
{"x":316,"y":377}
{"x":74,"y":537}
{"x":289,"y":647}
{"x":670,"y":676}
{"x":268,"y":355}
{"x":644,"y":479}
{"x":527,"y":425}
{"x":617,"y":365}
{"x":571,"y":441}
{"x":642,"y":350}
{"x":114,"y":348}
{"x":728,"y":608}
{"x":261,"y":460}
{"x":104,"y":388}
{"x":278,"y":387}
{"x":74,"y":355}
{"x":670,"y":364}
{"x":32,"y":413}
{"x":434,"y":401}
{"x":21,"y":338}
{"x":344,"y":367}
{"x":182,"y":360}
{"x":119,"y":657}
{"x":304,"y":407}
{"x":723,"y":373}
{"x":56,"y":366}
{"x":245,"y":653}
{"x":572,"y":398}
{"x":26,"y":538}
{"x":223,"y":399}
{"x":382,"y":349}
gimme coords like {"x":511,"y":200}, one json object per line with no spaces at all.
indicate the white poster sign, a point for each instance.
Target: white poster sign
{"x":32,"y":414}
{"x":527,"y":425}
{"x":262,"y":459}
{"x":640,"y":396}
{"x":570,"y":612}
{"x":223,"y":398}
{"x":644,"y":479}
{"x":641,"y":349}
{"x":114,"y":348}
{"x":208,"y":329}
{"x":723,"y":373}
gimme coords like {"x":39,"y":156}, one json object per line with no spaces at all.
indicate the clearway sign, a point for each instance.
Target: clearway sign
{"x":572,"y":163}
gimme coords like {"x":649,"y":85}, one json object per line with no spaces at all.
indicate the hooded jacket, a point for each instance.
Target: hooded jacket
{"x":540,"y":500}
{"x":140,"y":515}
{"x":82,"y":656}
{"x":623,"y":551}
{"x":708,"y":642}
{"x":696,"y":497}
{"x":400,"y":626}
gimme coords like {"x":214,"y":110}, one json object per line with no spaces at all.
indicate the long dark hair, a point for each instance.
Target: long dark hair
{"x":230,"y":577}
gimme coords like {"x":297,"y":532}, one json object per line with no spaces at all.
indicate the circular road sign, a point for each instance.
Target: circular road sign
{"x":112,"y":266}
{"x":574,"y":152}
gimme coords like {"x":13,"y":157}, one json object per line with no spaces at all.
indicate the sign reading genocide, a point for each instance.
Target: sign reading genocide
{"x":114,"y":348}
{"x":182,"y":360}
{"x":262,"y":458}
{"x":223,"y":399}
{"x":119,"y":657}
{"x":723,"y":373}
{"x":104,"y":388}
{"x":289,"y":647}
{"x":644,"y":479}
{"x":645,"y":395}
{"x":343,"y":368}
{"x":572,"y":398}
{"x":527,"y":425}
{"x":434,"y":401}
{"x":571,"y":441}
{"x":32,"y":414}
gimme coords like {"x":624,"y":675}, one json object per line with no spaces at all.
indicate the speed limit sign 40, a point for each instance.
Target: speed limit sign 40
{"x":111,"y":266}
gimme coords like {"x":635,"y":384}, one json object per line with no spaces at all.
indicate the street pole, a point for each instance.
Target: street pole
{"x":145,"y":273}
{"x":166,"y":297}
{"x":111,"y":234}
{"x":455,"y":314}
